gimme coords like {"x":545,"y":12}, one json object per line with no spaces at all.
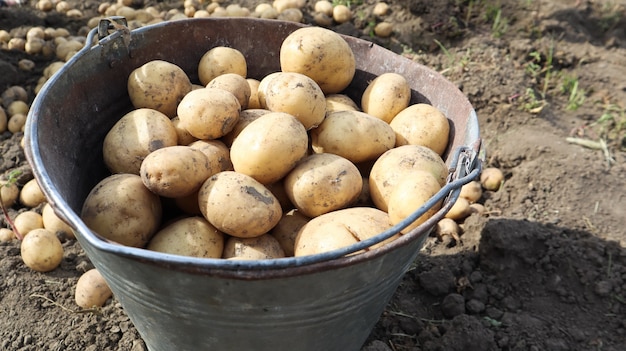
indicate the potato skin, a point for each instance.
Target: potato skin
{"x":175,"y":171}
{"x":235,"y":84}
{"x":422,"y":124}
{"x":320,"y":54}
{"x":238,"y":205}
{"x":221,"y":60}
{"x":410,"y":193}
{"x":209,"y":113}
{"x":134,"y":136}
{"x":287,"y":229}
{"x":120,"y":208}
{"x":386,"y":96}
{"x":269,"y":147}
{"x":158,"y":85}
{"x":91,"y":289}
{"x":41,"y":250}
{"x":354,"y":135}
{"x":321,"y":183}
{"x":258,"y":248}
{"x":189,"y":236}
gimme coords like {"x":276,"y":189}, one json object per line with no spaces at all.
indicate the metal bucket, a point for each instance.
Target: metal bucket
{"x":325,"y":302}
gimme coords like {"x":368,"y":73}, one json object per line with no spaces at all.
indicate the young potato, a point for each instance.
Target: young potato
{"x":321,"y":54}
{"x":9,"y":192}
{"x":175,"y":171}
{"x":235,"y":84}
{"x":337,"y":229}
{"x":491,"y":178}
{"x":53,"y":223}
{"x":263,"y":88}
{"x":287,"y":229}
{"x":134,"y":136}
{"x":184,"y":137}
{"x":262,"y":247}
{"x":220,"y":60}
{"x":253,"y":103}
{"x":92,"y":290}
{"x":411,"y":193}
{"x":269,"y":147}
{"x":120,"y":208}
{"x":238,"y":205}
{"x":217,"y":153}
{"x":245,"y":117}
{"x":28,"y":221}
{"x":396,"y":163}
{"x":386,"y":96}
{"x":321,"y":183}
{"x":209,"y":113}
{"x":472,"y":191}
{"x":297,"y":95}
{"x":340,"y":102}
{"x":41,"y":250}
{"x":189,"y":236}
{"x":354,"y":135}
{"x":6,"y":234}
{"x":31,"y":194}
{"x":159,"y":85}
{"x":459,"y":210}
{"x":422,"y":124}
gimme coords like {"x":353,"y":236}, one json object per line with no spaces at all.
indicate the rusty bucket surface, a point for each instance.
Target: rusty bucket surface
{"x":320,"y":302}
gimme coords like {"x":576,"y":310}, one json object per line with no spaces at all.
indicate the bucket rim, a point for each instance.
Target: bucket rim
{"x":241,"y":269}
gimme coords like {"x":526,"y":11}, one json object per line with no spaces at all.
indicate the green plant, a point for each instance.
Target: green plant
{"x":612,"y":123}
{"x":12,"y":179}
{"x":576,"y":96}
{"x":347,"y":2}
{"x":531,"y":103}
{"x":446,"y":52}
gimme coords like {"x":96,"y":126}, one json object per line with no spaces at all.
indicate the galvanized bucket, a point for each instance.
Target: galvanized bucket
{"x":319,"y":302}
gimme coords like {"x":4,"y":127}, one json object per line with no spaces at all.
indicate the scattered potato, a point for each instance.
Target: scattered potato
{"x":28,"y":221}
{"x":491,"y":178}
{"x":6,"y":234}
{"x":41,"y":250}
{"x":9,"y":192}
{"x":189,"y":236}
{"x":342,"y":13}
{"x":447,"y":226}
{"x":31,"y":194}
{"x":258,"y":248}
{"x":472,"y":191}
{"x":459,"y":210}
{"x":92,"y":290}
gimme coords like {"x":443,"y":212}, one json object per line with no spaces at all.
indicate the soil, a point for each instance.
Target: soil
{"x":544,"y":269}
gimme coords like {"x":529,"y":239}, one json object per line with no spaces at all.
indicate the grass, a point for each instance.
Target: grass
{"x":576,"y":96}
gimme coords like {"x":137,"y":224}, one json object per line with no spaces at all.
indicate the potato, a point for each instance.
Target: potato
{"x":159,"y":85}
{"x":245,"y":117}
{"x":472,"y":191}
{"x":41,"y":250}
{"x":258,"y":248}
{"x":263,"y":88}
{"x":6,"y":234}
{"x":27,"y":221}
{"x":175,"y":171}
{"x":91,"y":290}
{"x":422,"y":124}
{"x":209,"y":113}
{"x":322,"y":55}
{"x":217,"y":154}
{"x":188,"y":204}
{"x":235,"y":84}
{"x":220,"y":60}
{"x":238,"y":205}
{"x":396,"y":163}
{"x":53,"y":223}
{"x":189,"y":236}
{"x":447,"y":227}
{"x":9,"y":193}
{"x":184,"y":137}
{"x":491,"y":178}
{"x":269,"y":147}
{"x":253,"y":103}
{"x":31,"y":194}
{"x":341,"y":228}
{"x":411,"y":193}
{"x":321,"y":183}
{"x":120,"y":208}
{"x":386,"y":95}
{"x":134,"y":136}
{"x":459,"y":210}
{"x":340,"y":102}
{"x":354,"y":135}
{"x":287,"y":229}
{"x":297,"y":95}
{"x":278,"y":189}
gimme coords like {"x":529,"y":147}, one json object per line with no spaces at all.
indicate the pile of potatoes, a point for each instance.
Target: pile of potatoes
{"x":284,"y":165}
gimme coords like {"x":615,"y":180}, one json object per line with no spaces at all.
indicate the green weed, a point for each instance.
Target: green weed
{"x":576,"y":96}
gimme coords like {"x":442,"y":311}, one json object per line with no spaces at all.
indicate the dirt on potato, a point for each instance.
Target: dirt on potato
{"x":544,"y":269}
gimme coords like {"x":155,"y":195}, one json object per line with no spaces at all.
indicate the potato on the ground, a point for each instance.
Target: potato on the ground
{"x":41,"y":250}
{"x":238,"y":205}
{"x":386,"y":96}
{"x":297,"y":95}
{"x":27,"y":221}
{"x":410,"y":193}
{"x":120,"y":208}
{"x":269,"y":147}
{"x":134,"y":136}
{"x":53,"y":223}
{"x":491,"y":178}
{"x":216,"y":152}
{"x":472,"y":191}
{"x":396,"y":163}
{"x":159,"y":85}
{"x":6,"y":234}
{"x":175,"y":171}
{"x":460,"y":209}
{"x":9,"y":192}
{"x":321,"y":54}
{"x":354,"y":135}
{"x":245,"y":118}
{"x":189,"y":236}
{"x":220,"y":60}
{"x":209,"y":113}
{"x":31,"y":194}
{"x":235,"y":84}
{"x":337,"y":229}
{"x":447,"y":227}
{"x":321,"y":183}
{"x":92,"y":290}
{"x":422,"y":124}
{"x":258,"y":248}
{"x":287,"y":229}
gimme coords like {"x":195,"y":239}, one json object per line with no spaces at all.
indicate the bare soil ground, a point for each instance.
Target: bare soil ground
{"x":544,"y":270}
